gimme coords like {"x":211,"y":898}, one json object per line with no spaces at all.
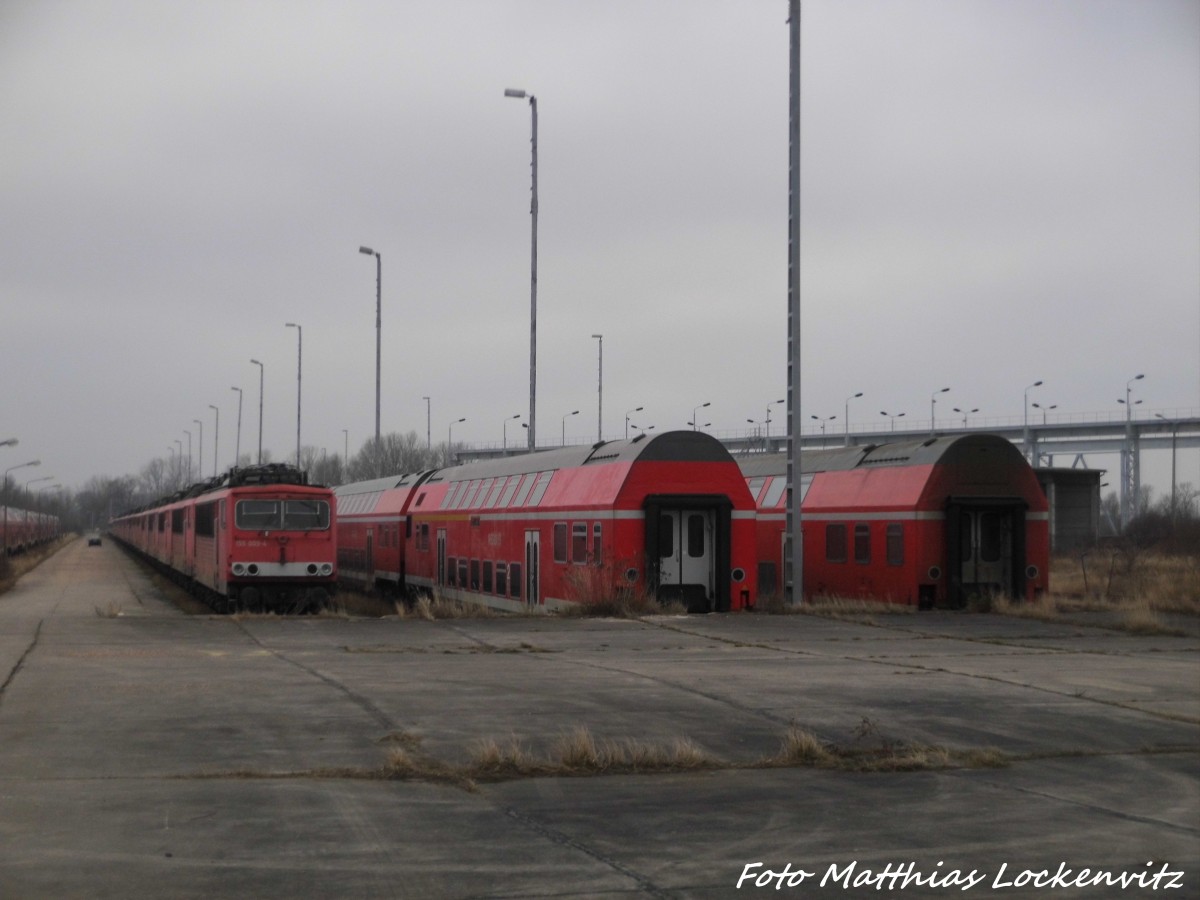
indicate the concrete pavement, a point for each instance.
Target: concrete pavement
{"x":149,"y":752}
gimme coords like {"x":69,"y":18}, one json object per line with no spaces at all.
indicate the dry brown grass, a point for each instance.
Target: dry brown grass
{"x":1121,"y":577}
{"x":112,"y":610}
{"x":869,"y":752}
{"x":13,"y":567}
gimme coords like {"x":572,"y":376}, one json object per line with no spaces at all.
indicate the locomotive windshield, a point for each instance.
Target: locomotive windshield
{"x":282,"y":515}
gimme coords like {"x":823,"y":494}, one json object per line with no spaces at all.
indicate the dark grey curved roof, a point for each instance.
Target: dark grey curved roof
{"x":945,"y":449}
{"x":682,"y":446}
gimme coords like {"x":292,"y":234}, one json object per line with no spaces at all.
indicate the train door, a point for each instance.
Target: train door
{"x":686,"y":557}
{"x":533,"y":553}
{"x":985,"y":549}
{"x":441,"y":556}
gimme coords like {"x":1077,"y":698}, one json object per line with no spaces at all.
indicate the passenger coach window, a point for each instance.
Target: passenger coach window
{"x":579,"y":534}
{"x":514,"y":580}
{"x":539,"y":489}
{"x":835,"y":543}
{"x":895,"y":545}
{"x":560,"y":542}
{"x":862,"y":543}
{"x":695,"y":536}
{"x":501,"y":578}
{"x":777,"y":487}
{"x":597,"y":543}
{"x":487,"y":577}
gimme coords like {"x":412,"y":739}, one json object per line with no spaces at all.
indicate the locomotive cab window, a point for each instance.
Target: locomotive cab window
{"x":276,"y":515}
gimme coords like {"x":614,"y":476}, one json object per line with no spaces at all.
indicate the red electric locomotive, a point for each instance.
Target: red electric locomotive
{"x":255,"y":538}
{"x":24,"y":529}
{"x":926,"y":522}
{"x":668,"y":514}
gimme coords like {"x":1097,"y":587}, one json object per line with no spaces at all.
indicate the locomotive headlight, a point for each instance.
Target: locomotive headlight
{"x":311,"y":568}
{"x":239,"y":569}
{"x":326,"y":568}
{"x":252,"y":568}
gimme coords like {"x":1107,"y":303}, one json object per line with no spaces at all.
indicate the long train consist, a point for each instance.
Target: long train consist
{"x":24,"y":529}
{"x":255,"y":538}
{"x":669,"y":515}
{"x":926,"y":523}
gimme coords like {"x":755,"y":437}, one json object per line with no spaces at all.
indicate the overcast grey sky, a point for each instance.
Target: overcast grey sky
{"x":995,"y":192}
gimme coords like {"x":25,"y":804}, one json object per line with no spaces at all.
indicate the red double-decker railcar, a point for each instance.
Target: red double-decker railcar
{"x":669,"y":515}
{"x":256,"y":538}
{"x":926,"y":522}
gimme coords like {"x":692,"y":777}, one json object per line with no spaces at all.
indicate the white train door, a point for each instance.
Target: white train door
{"x":686,"y":557}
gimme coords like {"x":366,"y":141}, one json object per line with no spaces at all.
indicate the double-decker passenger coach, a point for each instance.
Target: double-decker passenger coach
{"x":667,"y":515}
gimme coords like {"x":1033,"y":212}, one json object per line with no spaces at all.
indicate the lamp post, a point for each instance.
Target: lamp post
{"x":428,"y":433}
{"x":533,"y":213}
{"x":260,"y":406}
{"x":450,"y":434}
{"x":1044,"y":409}
{"x":189,"y":462}
{"x":4,"y":486}
{"x":1174,"y":434}
{"x":600,"y":390}
{"x":564,"y":426}
{"x":200,"y":445}
{"x":237,"y":451}
{"x":345,"y":446}
{"x":1129,"y":467}
{"x":892,"y":416}
{"x":635,"y":409}
{"x":179,"y":461}
{"x":378,"y":326}
{"x":965,"y":413}
{"x":299,"y":374}
{"x":9,"y":442}
{"x":216,"y":437}
{"x":768,"y":419}
{"x":823,"y":421}
{"x":505,"y":428}
{"x":847,"y":411}
{"x":1025,"y":429}
{"x":932,"y":413}
{"x":696,"y":409}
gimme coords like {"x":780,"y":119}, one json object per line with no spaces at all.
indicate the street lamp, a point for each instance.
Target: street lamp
{"x":1025,"y":434}
{"x":564,"y":426}
{"x":966,"y":412}
{"x":189,"y":462}
{"x":216,"y":437}
{"x":1174,"y":433}
{"x":823,"y":420}
{"x":200,"y":445}
{"x":892,"y":416}
{"x":450,"y":434}
{"x":600,"y":391}
{"x":533,"y":213}
{"x":9,"y":442}
{"x":847,"y":410}
{"x":260,"y":405}
{"x":506,"y":421}
{"x":932,"y":413}
{"x":345,"y":446}
{"x":299,"y":373}
{"x":378,"y":326}
{"x":696,"y":409}
{"x":237,"y":452}
{"x":179,"y":460}
{"x":635,"y":409}
{"x":4,"y":485}
{"x":1129,"y":471}
{"x":1044,"y":409}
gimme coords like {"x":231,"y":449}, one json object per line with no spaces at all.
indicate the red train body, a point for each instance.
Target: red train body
{"x":256,"y":538}
{"x":668,"y":514}
{"x":23,"y":529}
{"x":927,"y":523}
